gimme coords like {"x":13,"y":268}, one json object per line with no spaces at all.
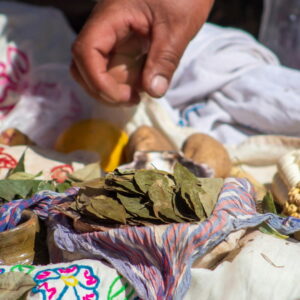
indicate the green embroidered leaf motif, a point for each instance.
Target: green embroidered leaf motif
{"x":27,"y":269}
{"x":120,"y":286}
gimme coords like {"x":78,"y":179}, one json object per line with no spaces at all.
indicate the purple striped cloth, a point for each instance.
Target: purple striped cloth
{"x":157,"y":260}
{"x":10,"y":213}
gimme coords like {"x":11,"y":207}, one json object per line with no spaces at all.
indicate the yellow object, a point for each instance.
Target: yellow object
{"x":95,"y":135}
{"x":292,"y":205}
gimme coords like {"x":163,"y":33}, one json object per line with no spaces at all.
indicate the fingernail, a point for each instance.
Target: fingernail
{"x":159,"y":85}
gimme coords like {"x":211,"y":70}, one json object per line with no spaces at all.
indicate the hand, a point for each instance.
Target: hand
{"x":128,"y":46}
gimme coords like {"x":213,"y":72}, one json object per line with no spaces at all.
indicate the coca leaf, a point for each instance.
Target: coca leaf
{"x":212,"y":188}
{"x":135,"y":206}
{"x":108,"y":208}
{"x":145,"y":178}
{"x":161,"y":196}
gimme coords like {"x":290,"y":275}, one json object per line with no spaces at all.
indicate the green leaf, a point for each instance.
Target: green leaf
{"x":181,"y":174}
{"x":161,"y":196}
{"x":268,"y":204}
{"x":23,"y":176}
{"x":62,"y":187}
{"x":19,"y":167}
{"x":145,"y":178}
{"x":15,"y":189}
{"x":108,"y":208}
{"x":45,"y":186}
{"x":212,"y":188}
{"x":267,"y":229}
{"x":135,"y":206}
{"x":89,"y":172}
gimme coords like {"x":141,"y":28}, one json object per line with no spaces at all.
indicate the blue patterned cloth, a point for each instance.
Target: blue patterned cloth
{"x":10,"y":213}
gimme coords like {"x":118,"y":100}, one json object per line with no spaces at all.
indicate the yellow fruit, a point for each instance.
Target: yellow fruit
{"x":95,"y":135}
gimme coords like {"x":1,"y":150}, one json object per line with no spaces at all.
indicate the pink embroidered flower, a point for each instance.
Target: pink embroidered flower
{"x":74,"y":282}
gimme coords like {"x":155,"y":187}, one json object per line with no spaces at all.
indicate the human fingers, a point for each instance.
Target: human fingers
{"x":174,"y":25}
{"x":135,"y":99}
{"x":91,"y":52}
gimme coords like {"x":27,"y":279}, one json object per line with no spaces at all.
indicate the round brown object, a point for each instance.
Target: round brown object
{"x":202,"y":148}
{"x":14,"y":137}
{"x":17,"y":244}
{"x":147,"y":138}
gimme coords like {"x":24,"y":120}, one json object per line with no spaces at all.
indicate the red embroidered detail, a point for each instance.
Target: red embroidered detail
{"x":60,"y":173}
{"x":6,"y":160}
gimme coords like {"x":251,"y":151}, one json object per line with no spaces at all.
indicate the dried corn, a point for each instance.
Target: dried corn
{"x":289,"y":173}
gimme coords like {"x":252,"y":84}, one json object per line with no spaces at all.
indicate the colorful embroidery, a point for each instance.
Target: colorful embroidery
{"x":2,"y":271}
{"x":75,"y":282}
{"x":12,"y":74}
{"x":22,"y":268}
{"x":6,"y":160}
{"x":114,"y":290}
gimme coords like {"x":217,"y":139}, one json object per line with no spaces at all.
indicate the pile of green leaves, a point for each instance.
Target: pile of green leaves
{"x":142,"y":197}
{"x":21,"y":185}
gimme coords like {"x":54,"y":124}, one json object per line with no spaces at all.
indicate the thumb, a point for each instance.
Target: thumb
{"x":166,"y":49}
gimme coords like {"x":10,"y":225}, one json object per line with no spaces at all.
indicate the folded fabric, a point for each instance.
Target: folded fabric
{"x":10,"y":213}
{"x":83,"y":279}
{"x":230,"y":86}
{"x":263,"y":267}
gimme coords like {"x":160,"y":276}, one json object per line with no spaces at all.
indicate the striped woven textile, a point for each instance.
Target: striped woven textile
{"x":10,"y":213}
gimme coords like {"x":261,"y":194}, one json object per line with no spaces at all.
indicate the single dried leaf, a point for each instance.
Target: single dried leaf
{"x":181,"y":174}
{"x":145,"y":178}
{"x":108,"y":208}
{"x":212,"y":188}
{"x":89,"y":172}
{"x":135,"y":206}
{"x":161,"y":196}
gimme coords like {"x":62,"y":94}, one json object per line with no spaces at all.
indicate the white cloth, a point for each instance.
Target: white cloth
{"x":230,"y":86}
{"x":37,"y":94}
{"x":264,"y":268}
